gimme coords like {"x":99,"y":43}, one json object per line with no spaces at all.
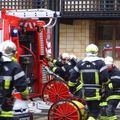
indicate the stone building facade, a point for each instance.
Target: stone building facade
{"x":75,"y":37}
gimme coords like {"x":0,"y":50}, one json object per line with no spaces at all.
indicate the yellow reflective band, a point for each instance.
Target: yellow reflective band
{"x":93,"y":98}
{"x":112,"y":117}
{"x":103,"y":118}
{"x":81,"y":77}
{"x":79,"y":87}
{"x":54,"y":69}
{"x":103,"y":104}
{"x":96,"y":78}
{"x":54,"y":61}
{"x":71,"y":84}
{"x":14,"y":59}
{"x":7,"y":84}
{"x":110,"y":85}
{"x":25,"y":92}
{"x":6,"y":114}
{"x":113,"y":97}
{"x":97,"y":92}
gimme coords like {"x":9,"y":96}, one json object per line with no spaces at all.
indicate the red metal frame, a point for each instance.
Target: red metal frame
{"x":117,"y":50}
{"x":10,"y":22}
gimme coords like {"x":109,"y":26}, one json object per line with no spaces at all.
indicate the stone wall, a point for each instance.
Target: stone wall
{"x":74,"y":38}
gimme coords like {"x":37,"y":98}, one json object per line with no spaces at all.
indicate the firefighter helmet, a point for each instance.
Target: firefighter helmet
{"x":92,"y":48}
{"x":65,"y":56}
{"x":108,"y":60}
{"x":73,"y":56}
{"x":8,"y":48}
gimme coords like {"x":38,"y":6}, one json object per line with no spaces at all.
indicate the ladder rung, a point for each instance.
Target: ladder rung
{"x":33,"y":13}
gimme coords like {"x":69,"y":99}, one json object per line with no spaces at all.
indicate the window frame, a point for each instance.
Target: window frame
{"x":114,"y":40}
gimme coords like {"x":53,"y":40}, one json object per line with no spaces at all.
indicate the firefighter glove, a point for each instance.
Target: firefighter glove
{"x":25,"y":94}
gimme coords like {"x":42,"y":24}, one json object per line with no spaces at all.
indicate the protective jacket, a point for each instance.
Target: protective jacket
{"x":11,"y":76}
{"x":92,"y":72}
{"x":57,"y":62}
{"x":114,"y":76}
{"x":112,"y":95}
{"x":65,"y":70}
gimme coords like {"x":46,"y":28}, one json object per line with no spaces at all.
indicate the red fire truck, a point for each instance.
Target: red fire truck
{"x":33,"y":38}
{"x":30,"y":30}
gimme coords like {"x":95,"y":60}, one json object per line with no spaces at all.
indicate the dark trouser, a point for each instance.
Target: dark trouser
{"x":93,"y":108}
{"x":4,"y":118}
{"x":110,"y":109}
{"x":7,"y":106}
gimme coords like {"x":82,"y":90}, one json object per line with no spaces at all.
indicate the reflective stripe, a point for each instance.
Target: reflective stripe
{"x":79,"y":87}
{"x":7,"y":84}
{"x":54,"y":61}
{"x":19,"y":75}
{"x":6,"y":77}
{"x":76,"y":69}
{"x":81,"y":77}
{"x":71,"y":84}
{"x":89,"y":70}
{"x":54,"y":69}
{"x":110,"y":85}
{"x":103,"y":104}
{"x":6,"y":114}
{"x":14,"y":59}
{"x":63,"y":69}
{"x":98,"y":93}
{"x":115,"y":77}
{"x":112,"y":117}
{"x":92,"y":85}
{"x":113,"y":97}
{"x":117,"y":91}
{"x":6,"y":68}
{"x":93,"y":98}
{"x":97,"y":78}
{"x":103,"y":118}
{"x":91,"y":88}
{"x":103,"y":68}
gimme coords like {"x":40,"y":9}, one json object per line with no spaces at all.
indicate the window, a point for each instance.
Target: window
{"x":109,"y":40}
{"x":105,"y":32}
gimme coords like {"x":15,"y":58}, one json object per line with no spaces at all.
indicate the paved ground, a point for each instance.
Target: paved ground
{"x":40,"y":118}
{"x":45,"y":117}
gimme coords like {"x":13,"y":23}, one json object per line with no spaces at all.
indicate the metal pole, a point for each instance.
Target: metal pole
{"x":56,"y":31}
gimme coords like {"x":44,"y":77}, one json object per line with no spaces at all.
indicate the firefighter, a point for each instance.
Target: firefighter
{"x":92,"y":72}
{"x":60,"y":61}
{"x":11,"y":77}
{"x":8,"y":48}
{"x":112,"y":90}
{"x":65,"y":70}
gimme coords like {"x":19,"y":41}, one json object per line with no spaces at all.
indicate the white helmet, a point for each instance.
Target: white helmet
{"x":108,"y":60}
{"x":8,"y":48}
{"x":65,"y":56}
{"x":73,"y":56}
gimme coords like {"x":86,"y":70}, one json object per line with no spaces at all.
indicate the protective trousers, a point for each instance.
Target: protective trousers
{"x":94,"y":109}
{"x":110,"y":109}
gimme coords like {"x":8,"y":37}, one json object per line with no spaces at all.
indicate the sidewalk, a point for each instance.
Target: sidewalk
{"x":45,"y":117}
